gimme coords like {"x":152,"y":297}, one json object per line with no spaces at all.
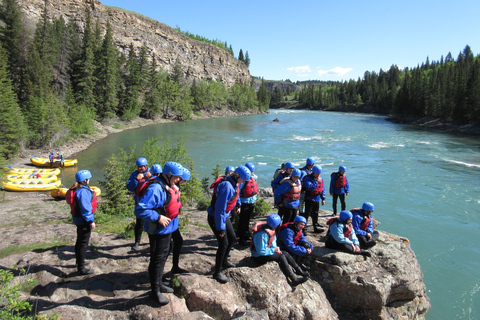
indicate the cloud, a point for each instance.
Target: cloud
{"x":300,"y":70}
{"x":337,"y":71}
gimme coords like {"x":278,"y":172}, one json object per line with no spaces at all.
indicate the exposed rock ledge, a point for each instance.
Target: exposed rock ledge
{"x":386,"y":286}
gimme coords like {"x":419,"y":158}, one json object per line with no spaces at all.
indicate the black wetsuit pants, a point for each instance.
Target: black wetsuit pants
{"x":225,"y":243}
{"x":342,"y":201}
{"x":366,"y":244}
{"x":83,"y":237}
{"x":311,"y":210}
{"x":246,"y":211}
{"x":177,"y":247}
{"x":159,"y":249}
{"x":287,"y":214}
{"x":139,"y":223}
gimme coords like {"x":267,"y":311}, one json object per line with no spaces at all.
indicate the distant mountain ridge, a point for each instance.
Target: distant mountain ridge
{"x":198,"y":60}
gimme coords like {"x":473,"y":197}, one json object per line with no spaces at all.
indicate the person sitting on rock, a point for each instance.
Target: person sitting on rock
{"x":264,"y":249}
{"x":291,"y":239}
{"x":362,"y":222}
{"x":287,"y":195}
{"x":341,"y":236}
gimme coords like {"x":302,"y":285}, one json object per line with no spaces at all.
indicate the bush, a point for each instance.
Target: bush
{"x":262,"y":208}
{"x":203,"y":202}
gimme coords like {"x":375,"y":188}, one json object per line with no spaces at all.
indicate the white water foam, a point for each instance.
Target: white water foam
{"x":466,"y":164}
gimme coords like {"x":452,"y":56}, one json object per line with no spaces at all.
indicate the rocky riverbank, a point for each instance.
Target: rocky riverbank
{"x":387,"y":285}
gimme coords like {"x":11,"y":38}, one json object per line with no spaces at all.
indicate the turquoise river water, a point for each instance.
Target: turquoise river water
{"x":425,"y":185}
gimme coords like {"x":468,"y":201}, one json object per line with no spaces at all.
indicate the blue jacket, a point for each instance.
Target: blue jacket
{"x":276,"y":182}
{"x":357,"y":221}
{"x":286,"y":242}
{"x":310,"y":184}
{"x":132,"y":182}
{"x":336,"y":230}
{"x":334,"y":190}
{"x":260,"y":239}
{"x":251,"y":199}
{"x":155,"y":197}
{"x":83,"y":197}
{"x":285,"y":187}
{"x":225,"y":191}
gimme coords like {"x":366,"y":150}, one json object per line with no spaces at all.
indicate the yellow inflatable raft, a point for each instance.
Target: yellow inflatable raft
{"x":60,"y":192}
{"x":31,"y":185}
{"x":44,"y":162}
{"x":10,"y":170}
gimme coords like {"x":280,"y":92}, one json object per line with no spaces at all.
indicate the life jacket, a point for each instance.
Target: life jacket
{"x":318,"y":190}
{"x":51,"y":158}
{"x":341,"y":180}
{"x":294,"y":193}
{"x":250,"y":188}
{"x":172,"y":206}
{"x":347,"y":229}
{"x":262,"y":226}
{"x":233,"y":200}
{"x":296,"y":234}
{"x":366,"y":219}
{"x":71,"y":199}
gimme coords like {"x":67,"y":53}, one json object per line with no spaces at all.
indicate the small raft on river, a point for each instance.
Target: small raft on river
{"x":45,"y":162}
{"x":45,"y":179}
{"x":10,"y":170}
{"x":31,"y":185}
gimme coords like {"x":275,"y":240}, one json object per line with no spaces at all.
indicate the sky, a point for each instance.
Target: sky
{"x":324,"y":40}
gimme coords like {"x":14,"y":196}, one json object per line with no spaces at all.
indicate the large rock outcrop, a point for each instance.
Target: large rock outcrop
{"x":198,"y":60}
{"x":387,"y":285}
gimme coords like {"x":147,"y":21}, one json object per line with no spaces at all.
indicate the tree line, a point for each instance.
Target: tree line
{"x":56,"y":80}
{"x":447,"y":89}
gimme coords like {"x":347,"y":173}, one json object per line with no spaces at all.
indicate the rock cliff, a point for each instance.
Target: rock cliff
{"x":387,"y":285}
{"x":198,"y":60}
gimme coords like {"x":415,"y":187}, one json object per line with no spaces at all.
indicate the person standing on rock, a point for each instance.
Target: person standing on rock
{"x":142,"y":172}
{"x":341,"y":236}
{"x":339,"y":188}
{"x":287,"y":195}
{"x":292,"y":240}
{"x":362,"y":222}
{"x":314,"y":193}
{"x":248,"y":197}
{"x":264,"y":249}
{"x":306,"y":170}
{"x":224,"y":200}
{"x":83,"y":206}
{"x":289,"y":167}
{"x":159,"y":208}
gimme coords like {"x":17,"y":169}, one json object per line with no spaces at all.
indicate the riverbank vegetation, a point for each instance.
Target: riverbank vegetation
{"x":57,"y":79}
{"x":447,"y":89}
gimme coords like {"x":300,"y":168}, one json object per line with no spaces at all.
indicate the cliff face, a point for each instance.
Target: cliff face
{"x":198,"y":60}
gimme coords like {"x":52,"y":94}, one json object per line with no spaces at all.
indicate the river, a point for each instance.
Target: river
{"x":425,"y":185}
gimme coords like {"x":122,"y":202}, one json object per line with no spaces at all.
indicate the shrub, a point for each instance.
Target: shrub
{"x":262,"y":208}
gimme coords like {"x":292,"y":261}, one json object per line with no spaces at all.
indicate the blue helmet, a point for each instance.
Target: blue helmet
{"x":296,"y":172}
{"x":186,"y":174}
{"x":289,"y":165}
{"x":141,"y":162}
{"x":317,"y":169}
{"x":174,"y":168}
{"x":342,"y":168}
{"x":229,"y":169}
{"x":274,"y":220}
{"x":81,"y":175}
{"x":300,"y":219}
{"x":156,"y":169}
{"x":243,"y":172}
{"x":52,"y":152}
{"x":250,"y":166}
{"x":368,"y":206}
{"x":310,"y":161}
{"x":345,"y":215}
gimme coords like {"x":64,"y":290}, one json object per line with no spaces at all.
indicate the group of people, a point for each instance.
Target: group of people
{"x":157,"y":206}
{"x":56,"y":159}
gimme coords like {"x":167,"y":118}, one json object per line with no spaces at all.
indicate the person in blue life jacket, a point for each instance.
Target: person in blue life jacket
{"x":341,"y":236}
{"x":264,"y":249}
{"x":363,"y":224}
{"x":289,"y":167}
{"x":306,"y":170}
{"x":84,"y":218}
{"x":339,"y":188}
{"x":224,"y":199}
{"x":287,"y":195}
{"x":159,"y":208}
{"x":60,"y":159}
{"x":292,"y":239}
{"x":248,"y":197}
{"x":314,"y":195}
{"x":51,"y":158}
{"x":142,"y":172}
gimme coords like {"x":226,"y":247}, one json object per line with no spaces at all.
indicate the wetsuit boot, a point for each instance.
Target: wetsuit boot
{"x":290,"y":275}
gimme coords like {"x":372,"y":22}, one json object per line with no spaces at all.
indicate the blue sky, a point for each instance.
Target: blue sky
{"x":325,"y":40}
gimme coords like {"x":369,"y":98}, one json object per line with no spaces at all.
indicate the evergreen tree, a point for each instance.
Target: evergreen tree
{"x":263,"y":97}
{"x":130,"y":107}
{"x":151,"y":107}
{"x":240,"y":56}
{"x":12,"y":126}
{"x":247,"y":60}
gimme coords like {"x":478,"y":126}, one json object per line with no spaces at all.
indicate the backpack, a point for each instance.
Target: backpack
{"x":71,"y":199}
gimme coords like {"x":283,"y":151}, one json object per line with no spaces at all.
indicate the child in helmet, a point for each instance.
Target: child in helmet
{"x":362,"y":222}
{"x":341,"y":236}
{"x":264,"y":249}
{"x":291,"y":239}
{"x":287,"y":195}
{"x":224,"y":200}
{"x":339,"y":188}
{"x":314,"y":193}
{"x":248,"y":197}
